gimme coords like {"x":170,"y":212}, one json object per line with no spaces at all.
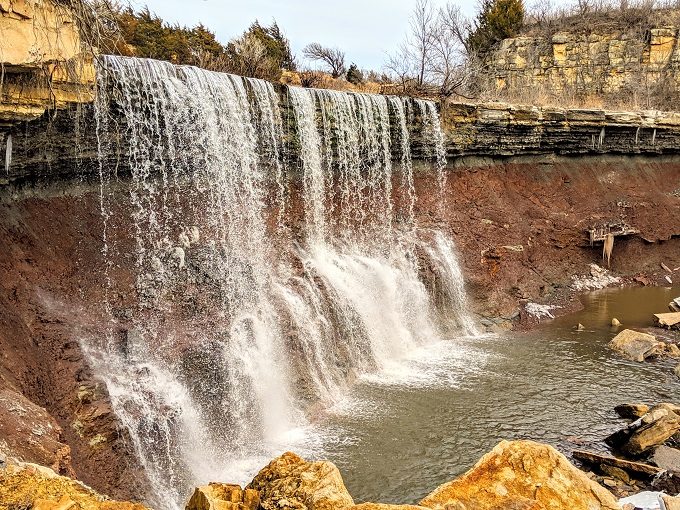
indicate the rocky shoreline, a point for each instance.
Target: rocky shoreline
{"x":515,"y":475}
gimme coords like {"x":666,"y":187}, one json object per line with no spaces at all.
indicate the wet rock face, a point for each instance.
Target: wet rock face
{"x":29,"y":433}
{"x":523,"y":475}
{"x":290,"y":482}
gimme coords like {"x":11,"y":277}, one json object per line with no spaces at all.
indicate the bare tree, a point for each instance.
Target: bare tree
{"x":422,"y":24}
{"x":334,"y":58}
{"x":452,"y":62}
{"x":435,"y":54}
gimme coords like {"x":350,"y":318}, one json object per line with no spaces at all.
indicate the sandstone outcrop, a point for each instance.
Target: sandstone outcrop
{"x":221,"y":496}
{"x":40,"y":488}
{"x":290,"y":482}
{"x":45,"y":64}
{"x":637,"y":346}
{"x":522,"y":475}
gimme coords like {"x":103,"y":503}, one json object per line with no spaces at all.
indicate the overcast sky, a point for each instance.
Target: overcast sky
{"x":364,"y":29}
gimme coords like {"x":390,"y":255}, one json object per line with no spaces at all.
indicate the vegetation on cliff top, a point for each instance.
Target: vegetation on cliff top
{"x":445,"y":53}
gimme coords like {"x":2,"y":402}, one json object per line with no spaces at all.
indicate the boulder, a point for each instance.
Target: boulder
{"x":673,"y":351}
{"x":384,"y":506}
{"x":670,"y":502}
{"x":522,"y":475}
{"x":24,"y":485}
{"x":631,"y":411}
{"x":636,"y":346}
{"x":292,"y":482}
{"x":666,"y":458}
{"x":653,"y":433}
{"x":222,"y":496}
{"x":620,"y":437}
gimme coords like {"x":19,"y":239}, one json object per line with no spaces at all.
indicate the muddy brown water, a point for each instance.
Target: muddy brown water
{"x":428,"y":419}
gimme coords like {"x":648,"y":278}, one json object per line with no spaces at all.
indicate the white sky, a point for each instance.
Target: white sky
{"x":365,"y":29}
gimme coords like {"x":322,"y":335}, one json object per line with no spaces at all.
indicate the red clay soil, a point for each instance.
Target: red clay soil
{"x":50,"y":294}
{"x":52,"y":283}
{"x":521,"y":225}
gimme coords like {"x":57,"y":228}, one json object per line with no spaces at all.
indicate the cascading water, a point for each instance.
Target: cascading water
{"x":275,"y":258}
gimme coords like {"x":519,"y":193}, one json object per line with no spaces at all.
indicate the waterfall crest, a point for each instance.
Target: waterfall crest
{"x":275,"y":257}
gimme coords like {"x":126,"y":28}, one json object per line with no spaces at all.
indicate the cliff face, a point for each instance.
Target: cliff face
{"x":42,"y":58}
{"x":499,"y":129}
{"x":590,"y":64}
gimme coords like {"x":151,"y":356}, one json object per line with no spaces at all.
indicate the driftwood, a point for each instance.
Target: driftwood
{"x":608,"y":248}
{"x":627,"y":465}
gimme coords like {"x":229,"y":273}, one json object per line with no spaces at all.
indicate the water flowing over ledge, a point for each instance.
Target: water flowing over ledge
{"x":276,"y":258}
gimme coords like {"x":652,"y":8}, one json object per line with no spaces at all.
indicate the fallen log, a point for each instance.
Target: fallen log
{"x":627,"y":465}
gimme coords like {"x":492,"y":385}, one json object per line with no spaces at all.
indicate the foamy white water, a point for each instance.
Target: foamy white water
{"x":245,"y":318}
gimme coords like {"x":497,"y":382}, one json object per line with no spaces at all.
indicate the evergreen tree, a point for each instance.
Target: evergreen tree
{"x":497,"y":20}
{"x":354,"y":76}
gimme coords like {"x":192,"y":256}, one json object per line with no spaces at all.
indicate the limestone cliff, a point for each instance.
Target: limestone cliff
{"x":499,"y":129}
{"x":44,"y":62}
{"x":638,"y":63}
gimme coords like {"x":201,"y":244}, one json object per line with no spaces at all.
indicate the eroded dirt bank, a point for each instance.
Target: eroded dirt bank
{"x":521,"y":226}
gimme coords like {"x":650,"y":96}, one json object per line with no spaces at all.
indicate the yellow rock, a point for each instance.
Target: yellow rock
{"x":383,"y":506}
{"x":291,"y":482}
{"x":39,"y":488}
{"x":636,"y":346}
{"x":221,"y":496}
{"x":522,"y":475}
{"x":672,"y":503}
{"x":40,"y":39}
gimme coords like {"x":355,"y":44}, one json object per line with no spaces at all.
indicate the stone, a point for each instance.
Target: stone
{"x":580,"y":327}
{"x":615,"y":322}
{"x":673,"y":351}
{"x":667,"y":481}
{"x":24,"y":485}
{"x":636,"y":346}
{"x":31,"y":434}
{"x":652,"y":434}
{"x":670,"y":502}
{"x":616,"y":472}
{"x":221,"y":496}
{"x":671,"y":408}
{"x":41,"y":38}
{"x":597,"y":64}
{"x":676,"y":370}
{"x":608,"y":461}
{"x":668,"y":320}
{"x":292,"y":482}
{"x":631,"y":411}
{"x":384,"y":506}
{"x":666,"y":458}
{"x":522,"y":473}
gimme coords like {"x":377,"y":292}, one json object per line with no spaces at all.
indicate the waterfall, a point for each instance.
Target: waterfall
{"x":264,"y":254}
